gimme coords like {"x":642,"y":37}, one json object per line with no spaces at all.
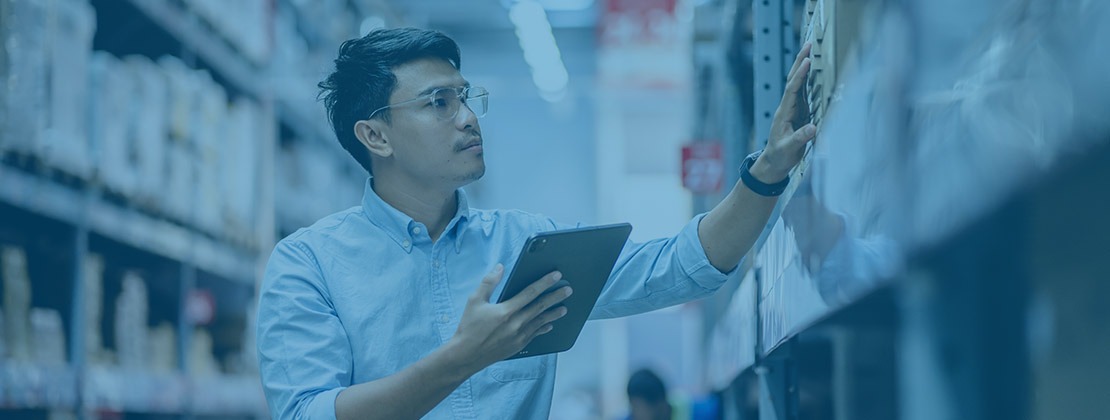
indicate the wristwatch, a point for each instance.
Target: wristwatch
{"x":757,"y":186}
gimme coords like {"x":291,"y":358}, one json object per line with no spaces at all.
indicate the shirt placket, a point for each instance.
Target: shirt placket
{"x":462,"y":400}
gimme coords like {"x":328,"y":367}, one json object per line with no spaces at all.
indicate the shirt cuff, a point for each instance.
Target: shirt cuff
{"x":696,"y":265}
{"x":323,"y":405}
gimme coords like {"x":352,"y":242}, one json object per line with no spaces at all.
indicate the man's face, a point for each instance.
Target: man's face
{"x":428,"y":149}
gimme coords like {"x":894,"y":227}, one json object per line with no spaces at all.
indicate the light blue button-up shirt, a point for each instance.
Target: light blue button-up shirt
{"x":364,"y":293}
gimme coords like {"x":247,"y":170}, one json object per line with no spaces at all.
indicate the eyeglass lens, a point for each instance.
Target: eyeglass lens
{"x":446,"y":101}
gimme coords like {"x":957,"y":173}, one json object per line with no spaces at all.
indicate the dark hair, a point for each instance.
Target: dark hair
{"x":646,"y":385}
{"x":363,"y":78}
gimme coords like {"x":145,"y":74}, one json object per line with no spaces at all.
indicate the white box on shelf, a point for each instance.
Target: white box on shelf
{"x":130,"y":322}
{"x":163,"y":348}
{"x":150,"y":128}
{"x":239,"y":161}
{"x":180,"y":178}
{"x":112,"y":87}
{"x":49,"y":337}
{"x":202,"y":362}
{"x":178,"y":194}
{"x":94,"y":309}
{"x":65,"y":142}
{"x":17,"y":303}
{"x":208,"y":140}
{"x":25,"y":93}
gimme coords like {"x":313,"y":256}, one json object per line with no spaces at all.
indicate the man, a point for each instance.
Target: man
{"x":383,"y":310}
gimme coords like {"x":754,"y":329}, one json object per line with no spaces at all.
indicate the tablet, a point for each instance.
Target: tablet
{"x":586,"y":257}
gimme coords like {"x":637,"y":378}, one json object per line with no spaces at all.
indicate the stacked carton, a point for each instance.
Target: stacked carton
{"x":833,"y":27}
{"x":25,"y":82}
{"x":69,"y":31}
{"x":112,"y":87}
{"x":150,"y":130}
{"x":17,"y":303}
{"x":93,"y":297}
{"x":132,"y":339}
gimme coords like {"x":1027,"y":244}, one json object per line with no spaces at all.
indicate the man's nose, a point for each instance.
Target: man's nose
{"x":466,"y":118}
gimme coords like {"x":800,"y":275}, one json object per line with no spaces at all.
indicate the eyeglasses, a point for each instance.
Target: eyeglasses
{"x":445,"y":102}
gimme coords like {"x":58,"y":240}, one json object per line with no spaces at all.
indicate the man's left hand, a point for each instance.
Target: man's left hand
{"x":786,"y":145}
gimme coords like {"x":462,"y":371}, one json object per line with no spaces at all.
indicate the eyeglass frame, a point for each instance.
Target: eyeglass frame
{"x":463,"y":93}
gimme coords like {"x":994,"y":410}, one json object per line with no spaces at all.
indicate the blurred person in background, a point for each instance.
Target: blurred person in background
{"x":647,"y":397}
{"x":383,"y":310}
{"x":648,"y":400}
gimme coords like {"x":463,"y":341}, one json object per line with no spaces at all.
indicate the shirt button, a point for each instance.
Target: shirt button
{"x":416,"y":230}
{"x":435,"y":264}
{"x":406,"y":243}
{"x":444,"y":319}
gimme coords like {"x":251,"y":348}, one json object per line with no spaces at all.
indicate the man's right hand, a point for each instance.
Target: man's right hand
{"x":491,"y":332}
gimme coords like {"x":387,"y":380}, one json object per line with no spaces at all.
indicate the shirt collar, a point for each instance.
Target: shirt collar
{"x":398,"y":226}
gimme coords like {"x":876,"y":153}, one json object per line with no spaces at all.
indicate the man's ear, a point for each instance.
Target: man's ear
{"x":372,"y":135}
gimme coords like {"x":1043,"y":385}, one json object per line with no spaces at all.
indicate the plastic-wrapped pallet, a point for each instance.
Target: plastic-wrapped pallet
{"x":208,"y":139}
{"x":112,"y":88}
{"x":25,"y":85}
{"x":48,"y":336}
{"x":202,"y":362}
{"x":239,"y":161}
{"x":17,"y":303}
{"x":150,"y":132}
{"x":130,"y":322}
{"x":65,"y":142}
{"x":94,"y":310}
{"x":163,"y":348}
{"x":180,"y":180}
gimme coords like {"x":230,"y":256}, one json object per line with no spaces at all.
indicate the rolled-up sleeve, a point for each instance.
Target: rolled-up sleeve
{"x":304,"y":354}
{"x":658,"y":273}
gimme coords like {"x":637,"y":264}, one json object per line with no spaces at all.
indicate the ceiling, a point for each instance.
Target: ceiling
{"x":484,"y":15}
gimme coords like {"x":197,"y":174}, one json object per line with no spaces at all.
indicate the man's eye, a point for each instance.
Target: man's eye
{"x":439,"y":102}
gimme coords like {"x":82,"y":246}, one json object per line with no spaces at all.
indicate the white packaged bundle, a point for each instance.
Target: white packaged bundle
{"x":239,"y":159}
{"x":180,"y":181}
{"x":151,"y":128}
{"x":202,"y":362}
{"x":48,"y":336}
{"x":65,"y":142}
{"x":208,"y":140}
{"x":131,"y":319}
{"x":17,"y":303}
{"x":112,"y":87}
{"x":94,"y":311}
{"x":178,"y":193}
{"x":25,"y":88}
{"x":163,"y":348}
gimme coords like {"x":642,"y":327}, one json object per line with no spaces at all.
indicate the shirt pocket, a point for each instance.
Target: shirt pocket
{"x":519,"y":369}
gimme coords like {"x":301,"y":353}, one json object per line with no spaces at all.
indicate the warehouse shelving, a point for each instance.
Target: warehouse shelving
{"x":37,"y":194}
{"x":60,"y":218}
{"x":922,"y":263}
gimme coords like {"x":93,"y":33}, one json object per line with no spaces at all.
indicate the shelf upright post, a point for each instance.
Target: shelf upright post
{"x":77,"y":351}
{"x":774,"y":47}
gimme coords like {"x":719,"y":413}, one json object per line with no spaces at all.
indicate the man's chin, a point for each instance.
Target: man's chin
{"x":474,"y":175}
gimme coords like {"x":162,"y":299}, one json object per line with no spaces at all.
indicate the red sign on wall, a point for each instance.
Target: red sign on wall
{"x":703,"y":167}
